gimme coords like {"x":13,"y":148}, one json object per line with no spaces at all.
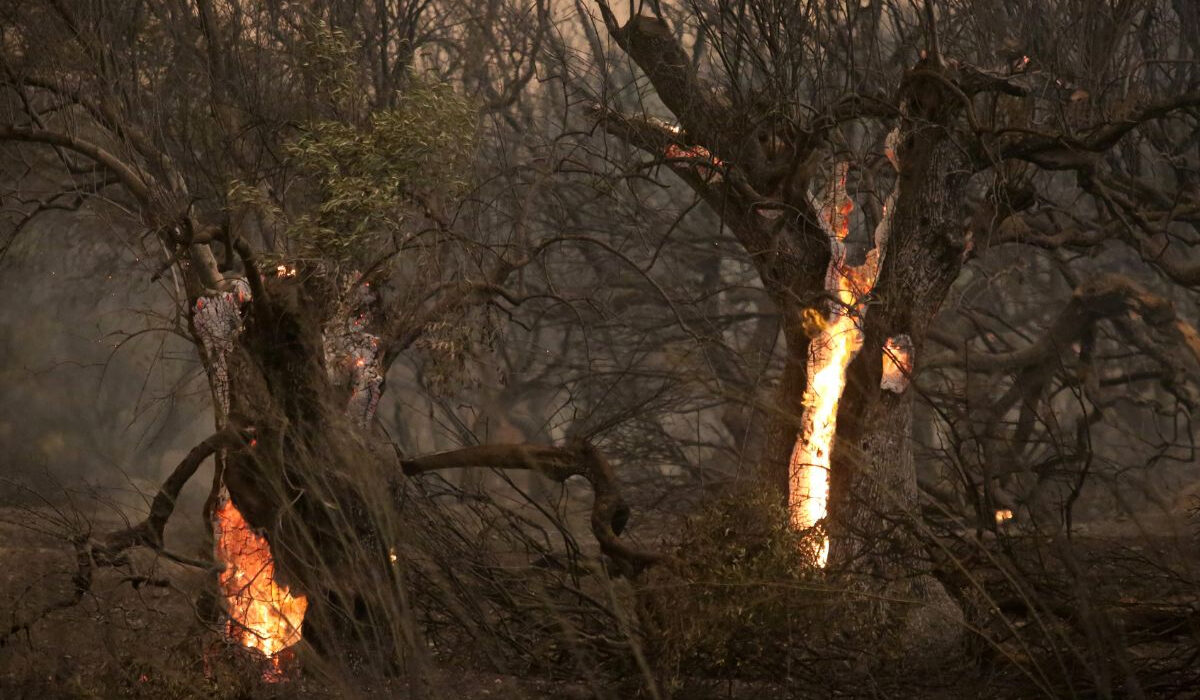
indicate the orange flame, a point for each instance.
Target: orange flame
{"x":829,"y":354}
{"x":263,"y":614}
{"x":706,"y":164}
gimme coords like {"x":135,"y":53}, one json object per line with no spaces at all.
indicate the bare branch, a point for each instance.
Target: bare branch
{"x":1106,"y":296}
{"x":651,"y":44}
{"x":609,"y":510}
{"x":1066,"y":152}
{"x":149,"y":532}
{"x":131,"y":177}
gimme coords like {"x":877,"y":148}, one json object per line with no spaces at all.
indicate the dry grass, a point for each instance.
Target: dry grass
{"x":740,"y":613}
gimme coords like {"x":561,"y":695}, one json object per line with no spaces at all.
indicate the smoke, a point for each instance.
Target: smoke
{"x":97,"y":394}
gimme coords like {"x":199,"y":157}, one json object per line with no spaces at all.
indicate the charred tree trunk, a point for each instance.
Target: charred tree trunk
{"x":875,"y":519}
{"x":873,"y":516}
{"x":297,"y":362}
{"x":784,"y":422}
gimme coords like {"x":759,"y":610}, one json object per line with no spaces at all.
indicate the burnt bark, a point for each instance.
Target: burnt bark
{"x":784,"y":421}
{"x":875,"y":521}
{"x":308,"y":480}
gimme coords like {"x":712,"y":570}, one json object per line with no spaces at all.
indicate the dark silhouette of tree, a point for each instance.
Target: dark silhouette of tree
{"x":1004,"y":136}
{"x":302,"y":184}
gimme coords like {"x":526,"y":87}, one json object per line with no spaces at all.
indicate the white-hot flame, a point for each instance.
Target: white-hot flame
{"x":836,"y":339}
{"x":829,"y":355}
{"x":263,"y":614}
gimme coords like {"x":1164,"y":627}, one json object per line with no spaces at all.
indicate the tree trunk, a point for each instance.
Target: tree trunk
{"x":875,"y":520}
{"x":310,"y":482}
{"x":784,"y":422}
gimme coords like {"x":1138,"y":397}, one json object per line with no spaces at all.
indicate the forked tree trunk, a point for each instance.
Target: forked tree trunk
{"x":875,"y":519}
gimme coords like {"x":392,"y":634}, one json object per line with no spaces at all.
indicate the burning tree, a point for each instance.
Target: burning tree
{"x":303,"y":208}
{"x":971,"y":223}
{"x":776,"y":101}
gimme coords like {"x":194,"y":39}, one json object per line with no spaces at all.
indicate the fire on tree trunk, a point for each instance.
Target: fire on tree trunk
{"x":874,"y":505}
{"x":263,"y":614}
{"x":837,"y":340}
{"x":287,"y":510}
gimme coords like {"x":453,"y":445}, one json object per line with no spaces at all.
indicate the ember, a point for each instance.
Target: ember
{"x":706,"y":164}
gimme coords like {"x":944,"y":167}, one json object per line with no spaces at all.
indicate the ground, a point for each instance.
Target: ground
{"x":149,"y":641}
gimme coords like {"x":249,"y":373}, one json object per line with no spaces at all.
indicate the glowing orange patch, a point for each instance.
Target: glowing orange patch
{"x":835,"y":342}
{"x":263,"y":614}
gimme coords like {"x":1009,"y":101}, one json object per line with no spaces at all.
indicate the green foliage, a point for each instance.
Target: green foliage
{"x":449,"y":346}
{"x":367,"y":178}
{"x":328,"y":59}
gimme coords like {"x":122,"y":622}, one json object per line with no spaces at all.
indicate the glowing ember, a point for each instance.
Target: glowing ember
{"x":706,"y":164}
{"x":218,"y":323}
{"x":352,"y":353}
{"x":836,"y":339}
{"x":1003,"y":515}
{"x":897,"y":364}
{"x":263,"y":614}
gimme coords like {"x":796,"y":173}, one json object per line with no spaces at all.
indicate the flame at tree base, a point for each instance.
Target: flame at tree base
{"x":263,"y":614}
{"x":829,"y":355}
{"x":835,"y":341}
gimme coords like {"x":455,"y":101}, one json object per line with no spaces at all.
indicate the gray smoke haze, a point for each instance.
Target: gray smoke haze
{"x":97,"y":394}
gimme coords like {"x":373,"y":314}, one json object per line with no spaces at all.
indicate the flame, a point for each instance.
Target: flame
{"x":263,"y":614}
{"x":829,"y":354}
{"x":834,"y":344}
{"x":1003,"y":515}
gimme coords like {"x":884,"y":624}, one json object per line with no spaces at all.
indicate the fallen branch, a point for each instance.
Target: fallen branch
{"x":110,"y":551}
{"x":610,"y":513}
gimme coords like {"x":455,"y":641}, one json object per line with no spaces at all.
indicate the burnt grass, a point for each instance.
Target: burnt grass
{"x":150,"y":639}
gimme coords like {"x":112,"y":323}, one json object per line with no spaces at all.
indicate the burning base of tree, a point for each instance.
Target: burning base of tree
{"x":263,"y":614}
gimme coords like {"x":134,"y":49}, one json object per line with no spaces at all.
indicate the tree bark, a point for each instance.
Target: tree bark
{"x":875,"y":520}
{"x":282,"y":361}
{"x":788,"y":410}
